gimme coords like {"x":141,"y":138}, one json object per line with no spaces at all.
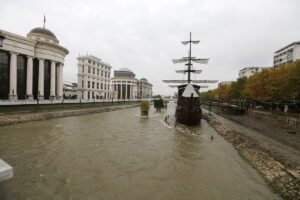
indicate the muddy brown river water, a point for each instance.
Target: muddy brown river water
{"x":120,"y":155}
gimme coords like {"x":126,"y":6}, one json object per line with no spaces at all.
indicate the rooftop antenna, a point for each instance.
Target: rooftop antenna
{"x":44,"y":21}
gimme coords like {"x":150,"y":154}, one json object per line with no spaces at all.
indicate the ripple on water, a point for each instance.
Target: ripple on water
{"x":119,"y":155}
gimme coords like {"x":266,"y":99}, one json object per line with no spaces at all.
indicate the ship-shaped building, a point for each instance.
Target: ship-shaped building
{"x":188,"y":110}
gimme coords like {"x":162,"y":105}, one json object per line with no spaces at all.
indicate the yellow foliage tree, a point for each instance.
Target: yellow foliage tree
{"x":256,"y":87}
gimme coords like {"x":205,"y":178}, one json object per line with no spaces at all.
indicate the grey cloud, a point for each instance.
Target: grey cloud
{"x":145,"y":35}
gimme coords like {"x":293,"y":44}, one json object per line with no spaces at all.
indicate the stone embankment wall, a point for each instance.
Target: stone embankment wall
{"x":283,"y":120}
{"x":19,"y":118}
{"x":281,"y":179}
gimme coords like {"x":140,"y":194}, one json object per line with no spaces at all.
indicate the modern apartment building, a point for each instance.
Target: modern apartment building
{"x":249,"y":71}
{"x":287,"y":54}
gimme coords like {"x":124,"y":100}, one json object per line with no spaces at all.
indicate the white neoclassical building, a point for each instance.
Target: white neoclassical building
{"x":124,"y":84}
{"x":93,"y":78}
{"x":31,"y":67}
{"x":144,"y":89}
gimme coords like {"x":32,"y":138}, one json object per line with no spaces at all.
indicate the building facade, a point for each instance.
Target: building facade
{"x":31,"y":67}
{"x":249,"y":71}
{"x":224,"y":83}
{"x":93,"y":78}
{"x":144,"y":89}
{"x":287,"y":54}
{"x":124,"y":84}
{"x":70,"y":90}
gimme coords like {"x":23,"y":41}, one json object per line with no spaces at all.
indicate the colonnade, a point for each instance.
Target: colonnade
{"x":128,"y":93}
{"x":56,"y":82}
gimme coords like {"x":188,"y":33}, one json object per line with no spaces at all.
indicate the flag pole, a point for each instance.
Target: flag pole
{"x":44,"y":21}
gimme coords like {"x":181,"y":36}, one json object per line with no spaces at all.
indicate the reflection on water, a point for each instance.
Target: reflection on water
{"x":120,"y":155}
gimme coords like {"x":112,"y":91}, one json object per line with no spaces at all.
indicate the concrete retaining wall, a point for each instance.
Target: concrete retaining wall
{"x":19,"y":118}
{"x":284,"y":121}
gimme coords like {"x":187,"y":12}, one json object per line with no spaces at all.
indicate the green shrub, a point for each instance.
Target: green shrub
{"x":158,"y":103}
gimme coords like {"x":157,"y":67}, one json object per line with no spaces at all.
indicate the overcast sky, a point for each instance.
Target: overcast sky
{"x":144,"y":35}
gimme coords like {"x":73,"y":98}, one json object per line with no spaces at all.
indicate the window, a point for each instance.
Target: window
{"x":101,"y":86}
{"x":89,"y":70}
{"x":82,"y":84}
{"x":89,"y":61}
{"x":98,"y":72}
{"x":88,"y":84}
{"x":93,"y":63}
{"x":93,"y":70}
{"x":93,"y":84}
{"x":97,"y":85}
{"x":82,"y":69}
{"x":101,"y":73}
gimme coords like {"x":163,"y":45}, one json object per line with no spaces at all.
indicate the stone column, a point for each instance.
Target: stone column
{"x":121,"y":96}
{"x":52,"y":80}
{"x":41,"y":79}
{"x":126,"y":91}
{"x":29,"y":77}
{"x":13,"y":76}
{"x":60,"y":82}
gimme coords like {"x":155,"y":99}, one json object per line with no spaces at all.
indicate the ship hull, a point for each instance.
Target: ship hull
{"x":188,"y":117}
{"x":188,"y":110}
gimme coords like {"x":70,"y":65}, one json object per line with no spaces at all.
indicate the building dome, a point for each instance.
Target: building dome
{"x":124,"y":69}
{"x":143,"y":79}
{"x":124,"y":72}
{"x":43,"y":31}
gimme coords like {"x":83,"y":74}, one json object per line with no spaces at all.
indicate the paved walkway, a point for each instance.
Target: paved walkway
{"x":280,"y":150}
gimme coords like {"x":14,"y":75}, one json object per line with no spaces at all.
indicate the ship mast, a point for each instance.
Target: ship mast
{"x":189,"y":58}
{"x":189,"y":63}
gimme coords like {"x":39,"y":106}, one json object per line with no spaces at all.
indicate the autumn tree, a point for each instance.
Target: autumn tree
{"x":237,"y":88}
{"x":255,"y":88}
{"x":277,"y":85}
{"x":293,"y":79}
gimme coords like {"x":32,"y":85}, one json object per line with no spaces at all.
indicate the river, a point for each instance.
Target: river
{"x":120,"y":155}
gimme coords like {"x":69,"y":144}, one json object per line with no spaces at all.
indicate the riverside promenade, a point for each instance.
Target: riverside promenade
{"x":277,"y":160}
